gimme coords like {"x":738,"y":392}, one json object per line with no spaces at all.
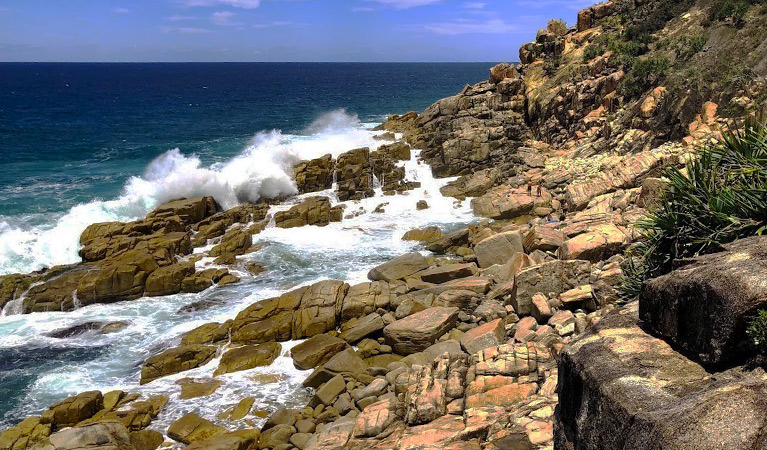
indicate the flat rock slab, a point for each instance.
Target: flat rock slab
{"x":417,"y":332}
{"x":248,"y":357}
{"x":704,"y":308}
{"x":316,"y":350}
{"x":399,"y":267}
{"x":621,"y":388}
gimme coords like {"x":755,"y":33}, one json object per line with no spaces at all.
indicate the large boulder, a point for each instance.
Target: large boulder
{"x":314,"y":175}
{"x":620,"y":388}
{"x":99,"y":435}
{"x":499,"y":248}
{"x":484,"y":336}
{"x":191,"y":210}
{"x":399,"y":267}
{"x":312,"y":211}
{"x":175,"y":360}
{"x":553,"y":276}
{"x":365,"y":298}
{"x":705,"y":307}
{"x":248,"y":357}
{"x":191,"y":428}
{"x":418,"y":331}
{"x":73,"y":410}
{"x":316,"y":350}
{"x":354,"y":175}
{"x":233,"y":440}
{"x":447,"y":272}
{"x":503,"y":203}
{"x":600,"y":243}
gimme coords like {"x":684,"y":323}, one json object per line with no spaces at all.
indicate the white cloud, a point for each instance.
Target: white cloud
{"x":121,"y":10}
{"x":273,"y":24}
{"x":185,"y":30}
{"x":246,"y":4}
{"x":405,"y":4}
{"x":178,"y":18}
{"x":462,"y":26}
{"x":474,"y":5}
{"x":224,"y":19}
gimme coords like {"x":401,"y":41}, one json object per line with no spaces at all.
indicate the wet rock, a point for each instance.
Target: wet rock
{"x":314,"y":175}
{"x":209,"y":333}
{"x":146,"y":439}
{"x":26,"y":435}
{"x":167,"y":280}
{"x":107,"y":435}
{"x":175,"y":360}
{"x":312,"y":211}
{"x":73,"y":410}
{"x":190,"y":210}
{"x":354,"y":175}
{"x":418,"y":331}
{"x":191,"y":428}
{"x":75,"y":330}
{"x":192,"y":388}
{"x":248,"y":357}
{"x":423,"y":234}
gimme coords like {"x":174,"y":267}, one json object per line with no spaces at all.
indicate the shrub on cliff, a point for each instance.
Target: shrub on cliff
{"x":644,"y":74}
{"x":720,"y":196}
{"x":557,"y":26}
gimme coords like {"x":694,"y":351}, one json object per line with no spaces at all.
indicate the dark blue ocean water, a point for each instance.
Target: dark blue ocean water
{"x":70,"y":133}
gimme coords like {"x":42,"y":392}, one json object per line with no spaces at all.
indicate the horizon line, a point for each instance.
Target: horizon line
{"x":253,"y":62}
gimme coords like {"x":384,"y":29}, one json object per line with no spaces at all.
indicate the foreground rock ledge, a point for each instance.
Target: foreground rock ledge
{"x":620,"y":388}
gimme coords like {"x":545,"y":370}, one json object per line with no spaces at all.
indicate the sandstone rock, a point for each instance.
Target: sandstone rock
{"x":581,"y":297}
{"x":503,"y":203}
{"x":343,"y":362}
{"x":190,"y":210}
{"x":25,"y":435}
{"x":316,"y":350}
{"x":474,"y":185}
{"x":354,"y":175}
{"x":146,"y":439}
{"x":490,"y":334}
{"x":312,"y":211}
{"x":210,"y":333}
{"x":192,"y":388}
{"x":357,"y":329}
{"x":600,"y":243}
{"x":498,"y":249}
{"x":248,"y":357}
{"x":423,"y":234}
{"x":540,"y":308}
{"x":329,"y":391}
{"x":553,"y":276}
{"x":167,"y":280}
{"x":543,"y":237}
{"x":191,"y":428}
{"x":679,"y":403}
{"x":314,"y":175}
{"x":447,"y":272}
{"x":106,"y":435}
{"x":174,"y":360}
{"x":73,"y":410}
{"x":725,"y":286}
{"x":651,"y":193}
{"x":365,"y":298}
{"x":333,"y":437}
{"x":418,"y":331}
{"x":235,"y":242}
{"x":235,"y":440}
{"x":454,"y":239}
{"x":502,"y":396}
{"x":399,"y":267}
{"x":375,"y":418}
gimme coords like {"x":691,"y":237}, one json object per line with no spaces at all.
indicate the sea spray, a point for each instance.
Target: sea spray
{"x":264,"y":169}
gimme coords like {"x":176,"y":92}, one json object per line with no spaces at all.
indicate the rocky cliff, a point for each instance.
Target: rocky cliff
{"x":510,"y":333}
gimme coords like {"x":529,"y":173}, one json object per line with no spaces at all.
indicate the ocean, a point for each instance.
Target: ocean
{"x":85,"y":143}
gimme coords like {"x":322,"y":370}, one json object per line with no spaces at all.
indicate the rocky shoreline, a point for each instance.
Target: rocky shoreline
{"x":505,"y":334}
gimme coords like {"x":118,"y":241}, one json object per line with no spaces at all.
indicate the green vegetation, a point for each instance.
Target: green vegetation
{"x":557,"y":26}
{"x":688,"y":46}
{"x":729,"y":9}
{"x":720,"y":196}
{"x":644,"y":73}
{"x":757,"y":331}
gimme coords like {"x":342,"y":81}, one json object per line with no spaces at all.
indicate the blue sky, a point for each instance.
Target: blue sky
{"x":273,"y":30}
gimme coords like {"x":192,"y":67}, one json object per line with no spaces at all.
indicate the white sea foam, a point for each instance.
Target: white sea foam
{"x":294,"y":257}
{"x":262,"y":169}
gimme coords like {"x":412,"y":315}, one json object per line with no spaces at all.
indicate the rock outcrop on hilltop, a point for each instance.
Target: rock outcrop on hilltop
{"x":510,"y":335}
